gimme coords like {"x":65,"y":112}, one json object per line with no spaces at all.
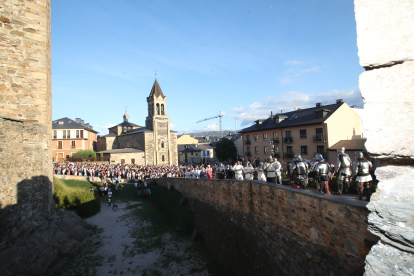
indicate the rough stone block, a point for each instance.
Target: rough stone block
{"x":385,"y":31}
{"x":388,"y":117}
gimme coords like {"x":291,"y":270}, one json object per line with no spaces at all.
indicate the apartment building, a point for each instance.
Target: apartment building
{"x":303,"y":131}
{"x":70,"y":136}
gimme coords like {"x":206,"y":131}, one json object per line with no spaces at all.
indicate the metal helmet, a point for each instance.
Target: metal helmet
{"x":319,"y":157}
{"x":359,"y":155}
{"x":297,"y":157}
{"x":261,"y":163}
{"x":341,"y":150}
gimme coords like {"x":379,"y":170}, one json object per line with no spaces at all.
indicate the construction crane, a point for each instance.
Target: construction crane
{"x":218,"y":116}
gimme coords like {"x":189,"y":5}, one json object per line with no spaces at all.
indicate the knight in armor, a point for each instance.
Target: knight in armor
{"x":248,"y":171}
{"x":260,"y":173}
{"x":299,"y":171}
{"x":343,"y":170}
{"x":238,"y":171}
{"x":278,"y":167}
{"x":322,"y":174}
{"x":230,"y":172}
{"x":270,"y":170}
{"x":360,"y":171}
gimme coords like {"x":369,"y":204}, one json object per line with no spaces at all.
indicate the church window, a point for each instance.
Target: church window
{"x":162,"y":109}
{"x":158,"y":109}
{"x":163,"y":158}
{"x":162,"y":145}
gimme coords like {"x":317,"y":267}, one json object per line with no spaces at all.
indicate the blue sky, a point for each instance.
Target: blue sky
{"x":244,"y":58}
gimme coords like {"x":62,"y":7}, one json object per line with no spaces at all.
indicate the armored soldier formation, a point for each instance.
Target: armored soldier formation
{"x":300,"y":172}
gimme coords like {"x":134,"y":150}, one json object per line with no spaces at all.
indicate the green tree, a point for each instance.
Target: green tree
{"x":84,"y":153}
{"x":226,"y":150}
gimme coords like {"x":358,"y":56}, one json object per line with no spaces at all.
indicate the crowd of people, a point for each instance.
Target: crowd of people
{"x":300,"y":171}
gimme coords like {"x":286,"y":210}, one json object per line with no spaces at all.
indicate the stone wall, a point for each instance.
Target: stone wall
{"x":149,"y":148}
{"x":174,"y":147}
{"x":136,"y":140}
{"x":138,"y":156}
{"x":385,"y":37}
{"x":297,"y":232}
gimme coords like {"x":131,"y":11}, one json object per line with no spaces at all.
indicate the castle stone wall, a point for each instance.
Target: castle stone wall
{"x":297,"y":232}
{"x":385,"y":37}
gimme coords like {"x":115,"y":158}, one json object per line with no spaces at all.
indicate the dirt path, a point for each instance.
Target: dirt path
{"x":121,"y":245}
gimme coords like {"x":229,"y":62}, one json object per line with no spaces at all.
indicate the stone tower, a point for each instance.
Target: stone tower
{"x":126,"y":117}
{"x":158,"y":122}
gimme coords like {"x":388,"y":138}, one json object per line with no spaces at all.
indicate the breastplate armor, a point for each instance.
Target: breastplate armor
{"x":301,"y":168}
{"x":363,"y":168}
{"x":322,"y":168}
{"x":345,"y":163}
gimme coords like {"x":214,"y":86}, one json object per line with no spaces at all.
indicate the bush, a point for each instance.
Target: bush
{"x":84,"y":154}
{"x":80,"y":199}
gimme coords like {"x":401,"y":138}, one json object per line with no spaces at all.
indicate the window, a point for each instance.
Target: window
{"x":60,"y":122}
{"x":276,"y":149}
{"x":162,"y":109}
{"x":192,"y":153}
{"x":196,"y":154}
{"x":289,"y":150}
{"x":256,"y":137}
{"x":81,"y":134}
{"x":266,"y":149}
{"x":163,"y":158}
{"x":59,"y":146}
{"x":133,"y":161}
{"x":157,"y":110}
{"x":64,"y":134}
{"x":274,"y":135}
{"x":304,"y":150}
{"x":162,"y":145}
{"x":68,"y":134}
{"x":122,"y":161}
{"x":303,"y":134}
{"x":127,"y":144}
{"x":54,"y":134}
{"x":320,"y":149}
{"x":73,"y":144}
{"x":248,"y":149}
{"x":248,"y":137}
{"x":256,"y":149}
{"x":77,"y":133}
{"x":319,"y":132}
{"x":289,"y":133}
{"x":264,"y":136}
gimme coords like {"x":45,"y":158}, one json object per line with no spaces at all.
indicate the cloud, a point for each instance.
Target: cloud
{"x":261,"y":108}
{"x":173,"y":125}
{"x":293,"y":62}
{"x":294,"y":74}
{"x":103,"y":130}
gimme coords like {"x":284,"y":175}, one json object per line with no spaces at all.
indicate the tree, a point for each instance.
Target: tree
{"x":226,"y":150}
{"x":84,"y":153}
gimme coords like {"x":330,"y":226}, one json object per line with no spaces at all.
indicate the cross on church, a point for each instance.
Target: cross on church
{"x":155,"y":72}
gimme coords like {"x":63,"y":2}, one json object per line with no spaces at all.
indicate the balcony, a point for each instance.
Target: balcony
{"x":247,"y":142}
{"x":289,"y":155}
{"x":248,"y":154}
{"x":73,"y":147}
{"x":288,"y":139}
{"x":319,"y":138}
{"x":323,"y":154}
{"x":275,"y":140}
{"x":277,"y":155}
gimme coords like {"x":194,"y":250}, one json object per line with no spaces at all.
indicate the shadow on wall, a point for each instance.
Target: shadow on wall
{"x":23,"y":207}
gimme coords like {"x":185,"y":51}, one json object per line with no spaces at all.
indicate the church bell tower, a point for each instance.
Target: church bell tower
{"x":158,"y":122}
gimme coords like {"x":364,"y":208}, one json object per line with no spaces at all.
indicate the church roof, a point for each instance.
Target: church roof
{"x":156,"y":90}
{"x":128,"y":124}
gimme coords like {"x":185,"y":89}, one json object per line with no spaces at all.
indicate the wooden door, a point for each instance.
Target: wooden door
{"x":60,"y":157}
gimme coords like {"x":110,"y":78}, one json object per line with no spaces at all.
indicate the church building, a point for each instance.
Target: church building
{"x":154,"y":144}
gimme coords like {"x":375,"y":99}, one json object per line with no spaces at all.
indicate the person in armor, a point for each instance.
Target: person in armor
{"x":299,"y":171}
{"x":248,"y":171}
{"x":260,"y":173}
{"x":278,"y":167}
{"x":220,"y":171}
{"x":270,"y":170}
{"x":238,"y":170}
{"x":322,"y":174}
{"x":343,"y":170}
{"x":360,"y":171}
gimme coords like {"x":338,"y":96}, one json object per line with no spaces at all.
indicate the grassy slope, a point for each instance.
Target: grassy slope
{"x":162,"y":209}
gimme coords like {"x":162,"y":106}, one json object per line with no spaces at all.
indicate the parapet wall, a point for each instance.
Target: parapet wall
{"x":297,"y":232}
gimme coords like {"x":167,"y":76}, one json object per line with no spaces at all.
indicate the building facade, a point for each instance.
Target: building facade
{"x":70,"y":136}
{"x":154,"y":144}
{"x":303,"y":131}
